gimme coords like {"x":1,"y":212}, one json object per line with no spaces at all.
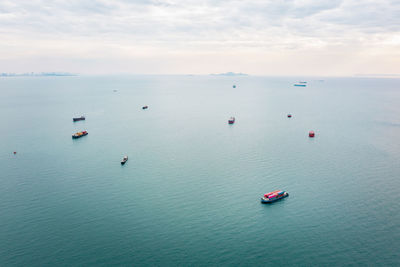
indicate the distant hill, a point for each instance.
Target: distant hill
{"x":230,"y":74}
{"x":4,"y":74}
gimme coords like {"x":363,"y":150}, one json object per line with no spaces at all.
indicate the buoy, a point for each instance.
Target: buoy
{"x":15,"y":152}
{"x":289,"y":115}
{"x":311,"y":134}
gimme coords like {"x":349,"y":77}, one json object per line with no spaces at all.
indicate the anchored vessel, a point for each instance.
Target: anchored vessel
{"x":274,"y":196}
{"x":125,"y":159}
{"x":79,"y":134}
{"x":231,"y":120}
{"x":81,"y":118}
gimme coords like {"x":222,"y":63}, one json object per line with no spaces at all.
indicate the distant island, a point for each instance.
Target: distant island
{"x":4,"y":74}
{"x":230,"y":74}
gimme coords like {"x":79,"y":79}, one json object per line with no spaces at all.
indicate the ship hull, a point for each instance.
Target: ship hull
{"x":268,"y":201}
{"x":78,"y":119}
{"x":78,"y":136}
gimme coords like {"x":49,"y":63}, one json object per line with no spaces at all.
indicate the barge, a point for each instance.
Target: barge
{"x":81,"y":118}
{"x":79,"y":134}
{"x":274,"y":196}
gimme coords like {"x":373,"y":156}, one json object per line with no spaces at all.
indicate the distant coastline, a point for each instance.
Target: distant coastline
{"x":378,"y":75}
{"x":230,"y":74}
{"x":28,"y":74}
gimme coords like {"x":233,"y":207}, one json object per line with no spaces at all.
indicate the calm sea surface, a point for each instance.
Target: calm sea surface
{"x":190,"y":192}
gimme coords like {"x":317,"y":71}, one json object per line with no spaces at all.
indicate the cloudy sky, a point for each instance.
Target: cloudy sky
{"x":261,"y":37}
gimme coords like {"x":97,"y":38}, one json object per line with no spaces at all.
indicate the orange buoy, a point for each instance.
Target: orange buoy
{"x":311,"y":134}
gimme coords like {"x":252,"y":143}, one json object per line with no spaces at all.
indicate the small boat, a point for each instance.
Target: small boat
{"x":79,"y":134}
{"x":311,"y":134}
{"x":289,"y":115}
{"x":231,"y":120}
{"x":274,"y":196}
{"x":300,"y":84}
{"x":145,"y":107}
{"x":124,"y":160}
{"x":81,"y":118}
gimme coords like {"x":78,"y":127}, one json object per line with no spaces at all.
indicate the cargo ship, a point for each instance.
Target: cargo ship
{"x":81,"y":118}
{"x":79,"y":134}
{"x":274,"y":196}
{"x":231,"y":120}
{"x":124,"y":160}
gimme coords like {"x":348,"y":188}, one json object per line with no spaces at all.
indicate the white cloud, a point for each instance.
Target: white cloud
{"x":176,"y":36}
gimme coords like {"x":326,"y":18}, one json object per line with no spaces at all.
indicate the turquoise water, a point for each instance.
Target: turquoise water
{"x":190,"y":192}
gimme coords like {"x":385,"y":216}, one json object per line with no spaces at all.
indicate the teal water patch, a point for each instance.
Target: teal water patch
{"x":190,"y":192}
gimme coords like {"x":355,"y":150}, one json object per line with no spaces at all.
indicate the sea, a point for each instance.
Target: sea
{"x":190,"y":192}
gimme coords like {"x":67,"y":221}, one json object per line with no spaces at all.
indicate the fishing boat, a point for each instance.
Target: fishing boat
{"x":124,"y":160}
{"x":79,"y":134}
{"x":274,"y":196}
{"x":145,"y":107}
{"x":81,"y":118}
{"x":231,"y":120}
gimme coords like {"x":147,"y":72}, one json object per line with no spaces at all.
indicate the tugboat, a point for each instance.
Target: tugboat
{"x":124,"y":160}
{"x":81,"y":118}
{"x":79,"y":134}
{"x":231,"y":120}
{"x":145,"y":107}
{"x":274,"y":196}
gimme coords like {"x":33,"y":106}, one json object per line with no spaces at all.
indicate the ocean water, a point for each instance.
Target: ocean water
{"x":190,"y":193}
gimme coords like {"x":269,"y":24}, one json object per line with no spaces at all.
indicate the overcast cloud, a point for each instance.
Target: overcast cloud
{"x":269,"y":37}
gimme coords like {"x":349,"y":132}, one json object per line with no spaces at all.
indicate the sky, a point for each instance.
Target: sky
{"x":258,"y":37}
